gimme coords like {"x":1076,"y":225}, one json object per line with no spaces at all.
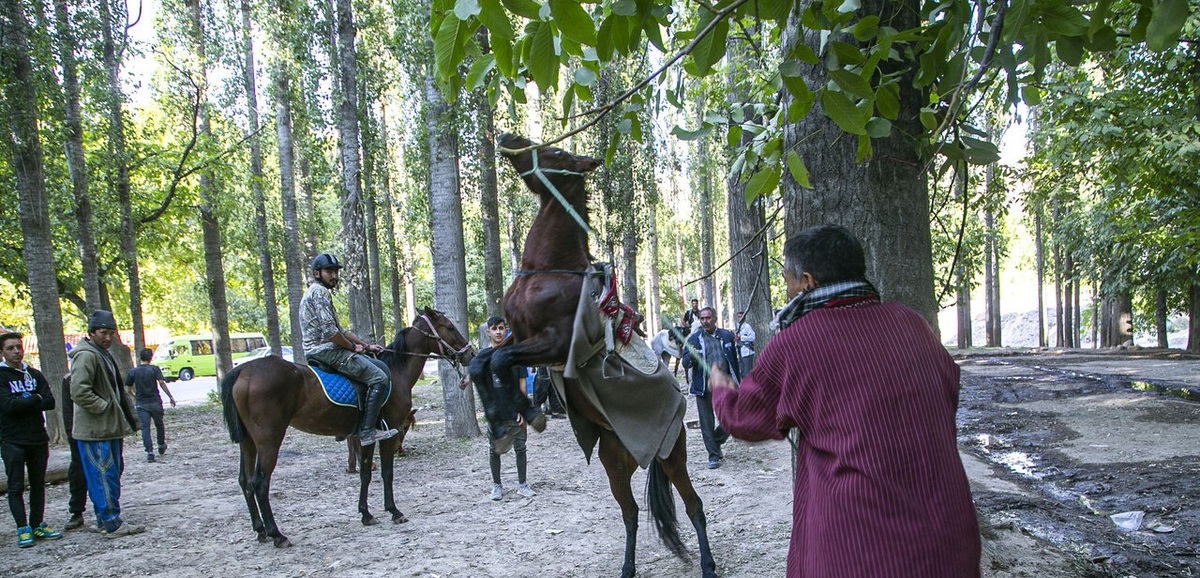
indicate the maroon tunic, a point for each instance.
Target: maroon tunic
{"x":880,"y":489}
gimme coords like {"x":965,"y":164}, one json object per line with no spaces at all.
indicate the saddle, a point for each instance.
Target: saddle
{"x":339,"y":389}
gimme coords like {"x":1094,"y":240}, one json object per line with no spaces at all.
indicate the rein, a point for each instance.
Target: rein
{"x":443,"y":346}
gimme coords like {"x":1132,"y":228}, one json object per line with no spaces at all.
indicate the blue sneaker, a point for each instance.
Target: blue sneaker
{"x":44,"y":532}
{"x":24,"y":537}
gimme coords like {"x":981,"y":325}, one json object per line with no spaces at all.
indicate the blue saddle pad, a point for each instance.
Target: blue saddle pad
{"x":339,"y":390}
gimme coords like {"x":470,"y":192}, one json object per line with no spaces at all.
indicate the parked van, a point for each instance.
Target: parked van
{"x":191,"y":356}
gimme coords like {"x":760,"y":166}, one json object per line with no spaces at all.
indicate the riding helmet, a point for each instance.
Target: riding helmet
{"x":325,"y":261}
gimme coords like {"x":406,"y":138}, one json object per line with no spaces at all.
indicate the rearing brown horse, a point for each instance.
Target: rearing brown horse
{"x":540,"y":308}
{"x":263,"y":397}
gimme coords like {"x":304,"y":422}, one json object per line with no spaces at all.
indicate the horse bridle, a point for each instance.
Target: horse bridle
{"x":455,"y":355}
{"x":540,"y":173}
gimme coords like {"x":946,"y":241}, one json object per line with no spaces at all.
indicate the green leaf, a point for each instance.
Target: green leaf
{"x":845,"y":54}
{"x":503,"y":49}
{"x":690,"y":135}
{"x":604,"y":38}
{"x":711,"y":48}
{"x":654,"y":34}
{"x":734,"y":136}
{"x":625,"y":7}
{"x":852,"y":84}
{"x":1103,"y":40}
{"x":865,"y":151}
{"x":1030,"y":95}
{"x":573,"y":21}
{"x":1070,"y":49}
{"x":624,"y":126}
{"x":866,"y":28}
{"x":543,"y":62}
{"x":762,"y":183}
{"x":479,"y":70}
{"x":1063,"y":19}
{"x":928,"y":119}
{"x":449,"y":46}
{"x":465,"y":9}
{"x":584,"y":76}
{"x":887,"y":100}
{"x":842,"y":112}
{"x":798,"y":170}
{"x":496,"y":20}
{"x":1163,"y":30}
{"x":525,"y":8}
{"x":803,"y":53}
{"x":802,"y":98}
{"x":879,"y":127}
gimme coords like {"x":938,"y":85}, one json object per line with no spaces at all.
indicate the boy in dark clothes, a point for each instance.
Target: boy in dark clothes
{"x":146,"y":379}
{"x":75,"y":480}
{"x":24,"y":445}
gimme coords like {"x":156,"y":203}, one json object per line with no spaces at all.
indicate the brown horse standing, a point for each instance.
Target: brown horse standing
{"x":540,"y":309}
{"x":263,"y":397}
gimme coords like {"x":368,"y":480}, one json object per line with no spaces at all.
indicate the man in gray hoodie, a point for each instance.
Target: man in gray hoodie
{"x":103,"y":417}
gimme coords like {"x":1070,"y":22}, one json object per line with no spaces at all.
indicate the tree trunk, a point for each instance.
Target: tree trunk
{"x":991,"y":263}
{"x":76,"y":161}
{"x":210,"y":225}
{"x":352,"y":230}
{"x":118,"y":177}
{"x":292,"y":258}
{"x":653,"y":299}
{"x":884,"y":200}
{"x":1193,"y":342}
{"x":963,"y":305}
{"x":704,"y":213}
{"x":1041,"y":273}
{"x":749,"y":267}
{"x":371,"y":150}
{"x":390,"y":224}
{"x":270,"y":301}
{"x":25,"y":149}
{"x":449,"y":265}
{"x":493,"y":278}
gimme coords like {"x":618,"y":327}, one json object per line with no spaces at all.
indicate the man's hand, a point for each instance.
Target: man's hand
{"x":466,"y":380}
{"x":374,"y":348}
{"x":718,"y":378}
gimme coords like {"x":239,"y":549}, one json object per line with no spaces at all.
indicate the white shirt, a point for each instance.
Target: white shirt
{"x":746,"y":339}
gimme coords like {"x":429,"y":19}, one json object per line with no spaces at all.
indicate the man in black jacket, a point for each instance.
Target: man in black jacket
{"x":24,"y":445}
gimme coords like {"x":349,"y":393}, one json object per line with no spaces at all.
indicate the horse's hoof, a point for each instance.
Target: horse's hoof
{"x":351,"y":470}
{"x":398,"y":518}
{"x":282,"y":542}
{"x":504,"y":442}
{"x":538,"y":422}
{"x":401,"y":452}
{"x":370,"y":520}
{"x":262,"y":537}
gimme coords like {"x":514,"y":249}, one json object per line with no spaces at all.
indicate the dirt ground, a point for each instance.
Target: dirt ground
{"x":1045,"y":518}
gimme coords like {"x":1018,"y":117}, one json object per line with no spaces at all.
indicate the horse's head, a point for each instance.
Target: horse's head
{"x":450,"y":341}
{"x":540,"y":164}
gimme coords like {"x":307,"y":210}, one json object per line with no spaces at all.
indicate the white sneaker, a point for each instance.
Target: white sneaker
{"x":525,"y":490}
{"x":497,"y":492}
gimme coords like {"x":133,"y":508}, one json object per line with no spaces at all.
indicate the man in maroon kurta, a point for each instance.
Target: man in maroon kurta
{"x":880,"y":489}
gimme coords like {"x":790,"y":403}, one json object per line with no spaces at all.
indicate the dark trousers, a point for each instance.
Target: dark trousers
{"x":713,"y":435}
{"x":518,"y":449}
{"x":19,"y":458}
{"x":544,"y":394}
{"x":145,"y":415}
{"x":75,"y":480}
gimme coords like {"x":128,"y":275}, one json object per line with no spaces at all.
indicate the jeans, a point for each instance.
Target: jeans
{"x":353,"y":365}
{"x":102,"y":466}
{"x":17,"y":459}
{"x":145,"y":415}
{"x":518,"y":450}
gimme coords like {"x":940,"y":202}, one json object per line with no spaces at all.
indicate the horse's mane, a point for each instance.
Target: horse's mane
{"x":397,"y":349}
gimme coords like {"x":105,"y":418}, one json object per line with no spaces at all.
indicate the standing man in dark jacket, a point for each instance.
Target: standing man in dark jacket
{"x":103,"y":416}
{"x":715,"y":348}
{"x":76,"y":483}
{"x":24,"y":445}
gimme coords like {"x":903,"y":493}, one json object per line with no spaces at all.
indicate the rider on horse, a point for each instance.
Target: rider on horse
{"x":339,"y":350}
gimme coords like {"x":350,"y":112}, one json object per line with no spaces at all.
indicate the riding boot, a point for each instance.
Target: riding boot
{"x":370,"y":416}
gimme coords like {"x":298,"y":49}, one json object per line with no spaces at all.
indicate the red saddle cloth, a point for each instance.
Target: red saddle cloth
{"x":610,"y":305}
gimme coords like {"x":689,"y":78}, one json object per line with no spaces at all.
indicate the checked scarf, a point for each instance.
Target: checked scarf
{"x":819,"y":297}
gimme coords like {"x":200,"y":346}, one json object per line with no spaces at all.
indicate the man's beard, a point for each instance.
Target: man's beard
{"x":328,"y":284}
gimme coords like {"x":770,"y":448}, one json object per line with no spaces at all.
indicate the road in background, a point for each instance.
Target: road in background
{"x":196,"y":391}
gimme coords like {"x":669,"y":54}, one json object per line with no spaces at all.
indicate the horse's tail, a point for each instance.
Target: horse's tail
{"x":233,"y":422}
{"x":662,"y":509}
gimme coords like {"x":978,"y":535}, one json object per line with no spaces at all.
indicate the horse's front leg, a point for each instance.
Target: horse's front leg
{"x":365,"y":457}
{"x":387,"y":460}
